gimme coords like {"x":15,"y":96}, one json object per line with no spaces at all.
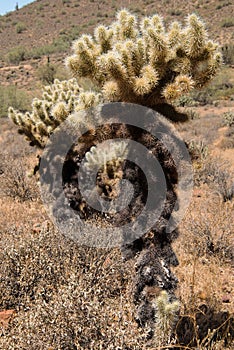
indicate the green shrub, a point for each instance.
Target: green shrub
{"x":220,"y":88}
{"x":60,"y":44}
{"x":228,"y":118}
{"x":16,"y":55}
{"x":228,"y":53}
{"x":11,"y":96}
{"x":20,"y":27}
{"x":227,"y":22}
{"x":47,"y":73}
{"x":175,"y":12}
{"x":40,"y":7}
{"x":185,"y":100}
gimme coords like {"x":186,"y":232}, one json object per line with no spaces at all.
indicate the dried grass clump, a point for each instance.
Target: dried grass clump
{"x":205,"y":252}
{"x":217,"y":176}
{"x":71,"y":297}
{"x":65,"y":296}
{"x":228,"y":140}
{"x":15,"y":181}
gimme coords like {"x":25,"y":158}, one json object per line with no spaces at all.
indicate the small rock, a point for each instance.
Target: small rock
{"x":6,"y":317}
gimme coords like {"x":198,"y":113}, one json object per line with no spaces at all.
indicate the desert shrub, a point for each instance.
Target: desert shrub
{"x":175,"y":12}
{"x":228,"y":53}
{"x":66,"y":296}
{"x":228,"y":139}
{"x":227,"y":22}
{"x":12,"y":96}
{"x":228,"y":118}
{"x":20,"y":27}
{"x":209,"y":230}
{"x":60,"y":44}
{"x":40,"y":7}
{"x":217,"y":176}
{"x":15,"y":182}
{"x":16,"y":55}
{"x":46,"y":73}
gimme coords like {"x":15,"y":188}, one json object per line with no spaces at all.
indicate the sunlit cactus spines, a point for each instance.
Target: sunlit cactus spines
{"x":115,"y":151}
{"x":58,"y":101}
{"x":166,"y":317}
{"x":144,"y":62}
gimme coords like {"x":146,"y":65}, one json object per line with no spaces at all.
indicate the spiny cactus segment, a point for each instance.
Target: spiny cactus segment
{"x":58,"y":101}
{"x":166,"y":317}
{"x":142,"y":62}
{"x":131,"y":61}
{"x":114,"y":151}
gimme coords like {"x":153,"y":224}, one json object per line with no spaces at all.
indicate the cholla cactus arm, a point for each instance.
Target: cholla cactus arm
{"x":58,"y":101}
{"x":103,"y":35}
{"x":143,"y":62}
{"x":114,"y":151}
{"x":196,"y":37}
{"x":166,"y":317}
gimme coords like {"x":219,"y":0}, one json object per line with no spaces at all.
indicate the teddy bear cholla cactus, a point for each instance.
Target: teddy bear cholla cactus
{"x":143,"y":63}
{"x":108,"y":160}
{"x":58,"y":101}
{"x":166,"y":317}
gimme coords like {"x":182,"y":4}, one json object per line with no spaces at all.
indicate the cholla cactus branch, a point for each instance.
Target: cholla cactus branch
{"x":166,"y":317}
{"x":114,"y":151}
{"x":58,"y":101}
{"x":143,"y":62}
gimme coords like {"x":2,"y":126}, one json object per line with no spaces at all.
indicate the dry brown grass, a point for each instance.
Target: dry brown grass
{"x":72,"y":297}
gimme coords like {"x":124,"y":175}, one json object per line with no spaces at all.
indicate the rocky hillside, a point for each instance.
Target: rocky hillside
{"x":43,"y":23}
{"x":43,"y":31}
